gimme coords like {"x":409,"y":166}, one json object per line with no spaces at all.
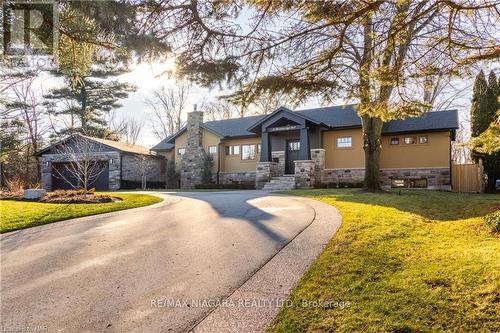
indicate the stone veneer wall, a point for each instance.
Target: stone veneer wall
{"x":237,"y":177}
{"x":114,"y":168}
{"x":437,"y":178}
{"x":133,"y":166}
{"x":264,"y":172}
{"x":280,"y":155}
{"x":192,"y":160}
{"x":318,"y":156}
{"x":304,"y":173}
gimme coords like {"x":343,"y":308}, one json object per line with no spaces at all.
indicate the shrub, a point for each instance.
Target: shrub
{"x":172,"y":175}
{"x":492,"y":220}
{"x":206,"y":172}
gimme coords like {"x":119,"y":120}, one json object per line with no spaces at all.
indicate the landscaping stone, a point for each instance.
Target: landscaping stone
{"x":32,"y":194}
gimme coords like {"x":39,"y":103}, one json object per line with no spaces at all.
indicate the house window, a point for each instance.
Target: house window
{"x":248,"y":152}
{"x":395,"y":183}
{"x":418,"y":183}
{"x":423,"y":139}
{"x":394,"y":141}
{"x":212,"y":149}
{"x":410,"y":140}
{"x":232,"y":150}
{"x":409,"y":183}
{"x":181,"y":151}
{"x":294,"y":145}
{"x":258,"y":148}
{"x":344,"y":142}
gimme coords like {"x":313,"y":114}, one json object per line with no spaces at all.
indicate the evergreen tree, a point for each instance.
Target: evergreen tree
{"x":478,"y":113}
{"x":485,"y":105}
{"x":88,"y":102}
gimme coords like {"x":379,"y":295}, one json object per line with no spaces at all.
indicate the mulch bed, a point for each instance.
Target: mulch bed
{"x":66,"y":197}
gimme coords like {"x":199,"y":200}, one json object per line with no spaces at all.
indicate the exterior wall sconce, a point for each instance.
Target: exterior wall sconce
{"x":111,"y":161}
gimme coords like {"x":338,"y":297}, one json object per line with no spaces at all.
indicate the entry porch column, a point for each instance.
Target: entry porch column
{"x":265,"y":148}
{"x":304,"y":152}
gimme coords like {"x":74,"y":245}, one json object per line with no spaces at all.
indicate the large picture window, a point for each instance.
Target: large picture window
{"x":344,"y":142}
{"x":248,"y":152}
{"x":232,"y":150}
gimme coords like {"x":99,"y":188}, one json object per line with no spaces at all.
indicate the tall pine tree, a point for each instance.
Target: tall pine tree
{"x":87,"y":103}
{"x":485,"y":104}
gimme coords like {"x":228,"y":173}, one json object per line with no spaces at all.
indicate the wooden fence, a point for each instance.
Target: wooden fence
{"x":467,"y":178}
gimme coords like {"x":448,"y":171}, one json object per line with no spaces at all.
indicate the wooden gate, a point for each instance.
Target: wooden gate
{"x":467,"y":178}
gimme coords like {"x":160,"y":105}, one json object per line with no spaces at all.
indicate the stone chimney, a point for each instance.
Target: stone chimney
{"x":192,"y":160}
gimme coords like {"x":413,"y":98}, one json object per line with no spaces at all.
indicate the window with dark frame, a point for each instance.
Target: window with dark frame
{"x":344,"y":142}
{"x":232,"y":150}
{"x":423,"y":139}
{"x":410,"y":140}
{"x":248,"y":152}
{"x":395,"y":141}
{"x":212,"y":149}
{"x":294,"y":145}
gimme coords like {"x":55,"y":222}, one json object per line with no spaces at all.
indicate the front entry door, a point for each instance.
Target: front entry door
{"x":292,"y":154}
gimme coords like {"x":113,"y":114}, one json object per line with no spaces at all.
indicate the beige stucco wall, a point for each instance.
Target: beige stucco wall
{"x":208,"y":139}
{"x":343,"y":157}
{"x":235,"y":163}
{"x":436,"y":153}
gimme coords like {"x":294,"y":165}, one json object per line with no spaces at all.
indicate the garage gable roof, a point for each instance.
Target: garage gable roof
{"x":120,"y":146}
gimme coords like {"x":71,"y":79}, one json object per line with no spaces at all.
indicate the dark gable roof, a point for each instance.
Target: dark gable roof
{"x":340,"y":116}
{"x":121,"y":146}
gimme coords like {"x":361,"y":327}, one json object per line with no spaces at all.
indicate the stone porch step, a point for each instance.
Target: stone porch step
{"x":280,"y":183}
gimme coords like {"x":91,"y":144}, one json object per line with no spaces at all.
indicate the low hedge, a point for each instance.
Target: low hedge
{"x":492,"y":220}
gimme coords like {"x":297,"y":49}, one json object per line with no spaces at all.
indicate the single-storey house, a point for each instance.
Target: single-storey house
{"x":115,"y":165}
{"x":287,"y":149}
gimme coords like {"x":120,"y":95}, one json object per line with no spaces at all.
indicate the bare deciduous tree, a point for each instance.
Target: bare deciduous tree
{"x":85,"y":166}
{"x":168,"y":106}
{"x":370,"y":51}
{"x":220,"y":109}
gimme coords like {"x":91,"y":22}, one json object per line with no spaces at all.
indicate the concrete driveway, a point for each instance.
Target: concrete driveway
{"x":142,"y":270}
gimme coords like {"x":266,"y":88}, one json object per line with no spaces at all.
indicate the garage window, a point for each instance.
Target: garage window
{"x":344,"y":142}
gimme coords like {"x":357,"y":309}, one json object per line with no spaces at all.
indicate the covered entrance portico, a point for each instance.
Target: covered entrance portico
{"x":286,"y":142}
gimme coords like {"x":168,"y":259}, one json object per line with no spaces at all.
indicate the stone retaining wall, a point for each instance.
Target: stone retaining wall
{"x":264,"y":172}
{"x":280,"y":156}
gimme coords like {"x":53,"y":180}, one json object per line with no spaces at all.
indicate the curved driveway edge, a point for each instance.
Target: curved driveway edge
{"x":253,"y":306}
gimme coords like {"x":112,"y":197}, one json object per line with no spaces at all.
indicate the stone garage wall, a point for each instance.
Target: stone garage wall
{"x":112,"y":157}
{"x":134,"y":165}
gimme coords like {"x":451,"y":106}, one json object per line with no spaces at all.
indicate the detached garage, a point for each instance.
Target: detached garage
{"x":112,"y":165}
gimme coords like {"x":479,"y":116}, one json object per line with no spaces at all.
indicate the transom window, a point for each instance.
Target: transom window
{"x":181,"y":151}
{"x":423,"y":139}
{"x":410,"y":140}
{"x":344,"y":142}
{"x":293,"y":145}
{"x":248,"y":152}
{"x":394,"y":141}
{"x":232,"y":150}
{"x":212,"y":149}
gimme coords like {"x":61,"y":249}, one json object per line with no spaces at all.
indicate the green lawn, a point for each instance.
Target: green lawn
{"x":16,"y":215}
{"x":421,"y":261}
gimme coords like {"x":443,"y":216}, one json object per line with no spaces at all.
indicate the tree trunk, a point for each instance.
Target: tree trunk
{"x":372,"y":143}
